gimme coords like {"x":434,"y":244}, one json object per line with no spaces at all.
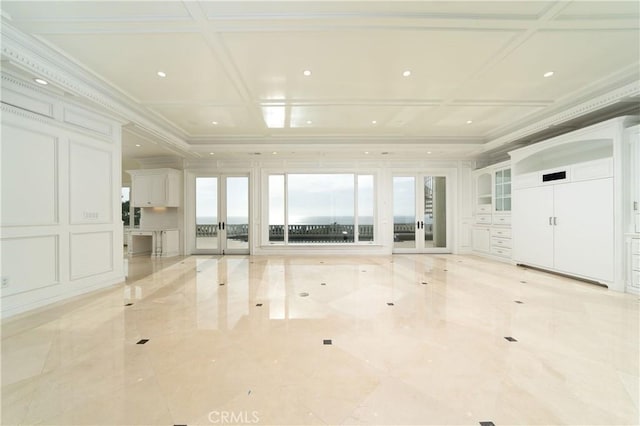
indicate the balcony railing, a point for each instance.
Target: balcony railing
{"x":333,"y":233}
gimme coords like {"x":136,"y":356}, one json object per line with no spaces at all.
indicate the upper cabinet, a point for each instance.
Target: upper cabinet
{"x":502,"y":185}
{"x":155,"y":187}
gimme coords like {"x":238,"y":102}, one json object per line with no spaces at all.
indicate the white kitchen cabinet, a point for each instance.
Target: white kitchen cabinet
{"x":155,"y":187}
{"x":533,"y":226}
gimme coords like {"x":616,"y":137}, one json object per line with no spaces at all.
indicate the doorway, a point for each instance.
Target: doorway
{"x":420,"y":214}
{"x":221,"y":215}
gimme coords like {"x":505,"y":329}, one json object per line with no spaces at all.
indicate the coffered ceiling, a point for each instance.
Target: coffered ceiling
{"x":445,"y":76}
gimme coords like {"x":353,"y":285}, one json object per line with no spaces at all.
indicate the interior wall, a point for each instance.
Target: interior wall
{"x":61,"y":223}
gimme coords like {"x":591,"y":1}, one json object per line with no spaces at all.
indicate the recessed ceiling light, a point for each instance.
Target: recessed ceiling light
{"x":274,"y":152}
{"x":41,"y":81}
{"x":309,"y":121}
{"x":406,"y":73}
{"x":469,"y":121}
{"x":428,"y":152}
{"x":212,"y":153}
{"x":548,"y":74}
{"x":162,"y":74}
{"x":215,"y":123}
{"x":374,"y":122}
{"x":366,"y":152}
{"x":138,"y":145}
{"x":307,"y":73}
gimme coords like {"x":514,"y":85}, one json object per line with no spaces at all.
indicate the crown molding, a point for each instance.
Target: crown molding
{"x":34,"y":57}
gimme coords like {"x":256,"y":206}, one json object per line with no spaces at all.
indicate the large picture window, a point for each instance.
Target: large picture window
{"x":316,"y":208}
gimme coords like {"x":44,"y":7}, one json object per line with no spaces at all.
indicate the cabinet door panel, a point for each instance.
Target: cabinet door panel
{"x":532,"y":233}
{"x":583,"y":234}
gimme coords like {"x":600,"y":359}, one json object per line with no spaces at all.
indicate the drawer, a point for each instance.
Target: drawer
{"x":635,"y":246}
{"x":148,"y":233}
{"x":501,"y":251}
{"x":502,"y":220}
{"x":484,"y":208}
{"x":635,"y":262}
{"x":501,"y":232}
{"x":501,"y":242}
{"x":483,"y":218}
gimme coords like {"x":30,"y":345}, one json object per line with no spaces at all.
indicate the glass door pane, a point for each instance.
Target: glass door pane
{"x":237,"y":212}
{"x":207,"y":213}
{"x":435,"y":218}
{"x":404,"y":212}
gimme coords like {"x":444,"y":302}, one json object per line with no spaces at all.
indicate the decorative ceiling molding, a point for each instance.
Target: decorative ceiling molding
{"x":33,"y":56}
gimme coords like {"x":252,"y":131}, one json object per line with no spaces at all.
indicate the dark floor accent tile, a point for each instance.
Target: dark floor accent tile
{"x":321,"y":262}
{"x":129,"y":304}
{"x":487,"y":424}
{"x":511,"y":339}
{"x":424,"y":283}
{"x":327,"y":342}
{"x":304,"y":294}
{"x":258,"y":304}
{"x":390,"y":303}
{"x":142,"y":341}
{"x":519,"y":302}
{"x":221,"y":284}
{"x":323,"y":283}
{"x":446,"y":270}
{"x":523,"y":282}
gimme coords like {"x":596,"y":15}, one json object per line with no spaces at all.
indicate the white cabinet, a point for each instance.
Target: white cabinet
{"x":567,"y":227}
{"x":155,"y":187}
{"x":481,"y":239}
{"x":569,"y":203}
{"x":492,"y":232}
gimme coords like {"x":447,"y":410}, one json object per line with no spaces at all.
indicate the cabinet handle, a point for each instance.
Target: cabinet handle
{"x":550,"y":220}
{"x":555,"y":220}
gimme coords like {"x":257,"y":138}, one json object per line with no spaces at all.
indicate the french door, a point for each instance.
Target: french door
{"x":220,"y":215}
{"x":420,"y":214}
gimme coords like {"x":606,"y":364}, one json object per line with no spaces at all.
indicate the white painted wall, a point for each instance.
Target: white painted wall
{"x":61,"y":228}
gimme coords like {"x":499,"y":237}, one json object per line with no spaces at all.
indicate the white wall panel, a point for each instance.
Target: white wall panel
{"x":87,"y":121}
{"x":29,"y":263}
{"x":91,"y":253}
{"x":90,"y":184}
{"x":29,"y":177}
{"x":20,"y":100}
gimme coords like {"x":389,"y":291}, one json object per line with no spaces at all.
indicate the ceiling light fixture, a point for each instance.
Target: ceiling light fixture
{"x":428,"y":152}
{"x":469,"y":121}
{"x":41,"y":81}
{"x":548,"y":74}
{"x":274,"y":152}
{"x":309,"y":121}
{"x":138,"y":145}
{"x":366,"y":152}
{"x":306,"y":73}
{"x":212,"y":153}
{"x":374,"y":122}
{"x":162,"y":74}
{"x":407,"y":73}
{"x":215,"y":123}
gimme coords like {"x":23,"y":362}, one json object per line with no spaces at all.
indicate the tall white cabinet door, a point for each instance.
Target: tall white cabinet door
{"x":583,"y":231}
{"x":532,"y":232}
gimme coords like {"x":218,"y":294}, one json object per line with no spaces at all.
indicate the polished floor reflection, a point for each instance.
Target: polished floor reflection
{"x":413,"y":339}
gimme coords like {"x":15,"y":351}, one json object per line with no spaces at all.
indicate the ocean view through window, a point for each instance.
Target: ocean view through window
{"x":307,"y":208}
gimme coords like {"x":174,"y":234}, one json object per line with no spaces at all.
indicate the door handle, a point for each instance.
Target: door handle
{"x":223,"y":226}
{"x":418,"y":224}
{"x":219,"y":225}
{"x":422,"y":224}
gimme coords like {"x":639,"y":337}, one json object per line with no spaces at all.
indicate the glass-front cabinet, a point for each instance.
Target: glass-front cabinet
{"x":502,"y":187}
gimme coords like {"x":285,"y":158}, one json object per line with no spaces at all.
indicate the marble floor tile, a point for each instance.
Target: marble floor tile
{"x":414,"y":339}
